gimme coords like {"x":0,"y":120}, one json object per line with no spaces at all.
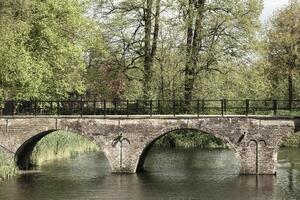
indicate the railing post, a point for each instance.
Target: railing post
{"x":127,"y":107}
{"x":225,"y":106}
{"x":81,"y":107}
{"x":222,"y":107}
{"x":180,"y":106}
{"x":2,"y":104}
{"x":104,"y":108}
{"x":94,"y":107}
{"x":275,"y":107}
{"x":35,"y":107}
{"x":247,"y":107}
{"x":115,"y":107}
{"x":13,"y":106}
{"x":198,"y":107}
{"x":150,"y":108}
{"x":58,"y":108}
{"x":174,"y":108}
{"x":51,"y":107}
{"x":158,"y":107}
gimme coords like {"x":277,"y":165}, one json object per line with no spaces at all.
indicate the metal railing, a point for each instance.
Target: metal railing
{"x":152,"y":107}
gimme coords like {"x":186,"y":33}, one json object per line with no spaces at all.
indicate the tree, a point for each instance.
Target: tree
{"x":42,"y":48}
{"x":133,"y":28}
{"x":217,"y":33}
{"x":283,"y":44}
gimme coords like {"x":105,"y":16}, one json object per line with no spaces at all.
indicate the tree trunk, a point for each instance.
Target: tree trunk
{"x":150,"y":52}
{"x":147,"y":50}
{"x":193,"y":46}
{"x":188,"y":76}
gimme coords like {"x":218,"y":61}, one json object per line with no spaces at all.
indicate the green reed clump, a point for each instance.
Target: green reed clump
{"x":59,"y":145}
{"x":190,"y":139}
{"x":7,"y":166}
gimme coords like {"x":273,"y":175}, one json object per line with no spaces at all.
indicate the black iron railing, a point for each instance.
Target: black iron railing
{"x":152,"y":107}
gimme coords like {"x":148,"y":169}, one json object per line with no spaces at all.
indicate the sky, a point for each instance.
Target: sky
{"x":270,"y":6}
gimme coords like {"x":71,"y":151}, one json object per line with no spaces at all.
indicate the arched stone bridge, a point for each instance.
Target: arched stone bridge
{"x":126,"y":141}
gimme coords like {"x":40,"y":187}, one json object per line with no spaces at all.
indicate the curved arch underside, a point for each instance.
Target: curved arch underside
{"x":24,"y":152}
{"x":166,"y":131}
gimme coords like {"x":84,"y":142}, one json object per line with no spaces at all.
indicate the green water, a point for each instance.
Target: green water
{"x":171,"y":174}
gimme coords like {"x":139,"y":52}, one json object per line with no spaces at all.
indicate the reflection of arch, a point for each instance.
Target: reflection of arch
{"x":144,"y":152}
{"x":23,"y":154}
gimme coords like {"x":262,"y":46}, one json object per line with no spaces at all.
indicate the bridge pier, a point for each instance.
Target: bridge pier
{"x":257,"y":159}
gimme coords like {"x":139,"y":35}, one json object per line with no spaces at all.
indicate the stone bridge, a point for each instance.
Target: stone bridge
{"x":125,"y":141}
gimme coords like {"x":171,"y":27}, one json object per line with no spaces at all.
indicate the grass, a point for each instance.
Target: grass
{"x":7,"y":166}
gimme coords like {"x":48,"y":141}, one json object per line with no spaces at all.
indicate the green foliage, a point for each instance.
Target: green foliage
{"x":283,"y":51}
{"x":42,"y":47}
{"x":60,"y":145}
{"x":292,"y":141}
{"x":190,"y":139}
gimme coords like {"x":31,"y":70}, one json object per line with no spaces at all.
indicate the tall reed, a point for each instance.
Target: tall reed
{"x":7,"y":166}
{"x":59,"y":145}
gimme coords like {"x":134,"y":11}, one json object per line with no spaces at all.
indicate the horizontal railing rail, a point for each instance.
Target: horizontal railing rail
{"x":150,"y":107}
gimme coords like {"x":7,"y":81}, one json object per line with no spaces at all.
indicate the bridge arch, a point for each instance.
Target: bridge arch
{"x":165,"y":131}
{"x":24,"y":152}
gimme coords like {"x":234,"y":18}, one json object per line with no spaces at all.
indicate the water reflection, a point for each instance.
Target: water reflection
{"x":170,"y":174}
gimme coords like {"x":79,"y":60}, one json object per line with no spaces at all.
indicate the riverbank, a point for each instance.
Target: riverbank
{"x":57,"y":145}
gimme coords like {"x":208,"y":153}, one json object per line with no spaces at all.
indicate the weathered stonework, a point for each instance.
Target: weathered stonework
{"x":126,"y":141}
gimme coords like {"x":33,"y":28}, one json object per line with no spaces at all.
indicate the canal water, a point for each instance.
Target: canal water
{"x":171,"y":174}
